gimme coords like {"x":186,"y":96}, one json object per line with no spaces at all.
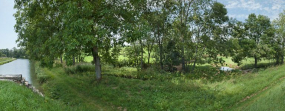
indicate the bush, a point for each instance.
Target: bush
{"x":151,"y":73}
{"x":79,"y":69}
{"x":43,"y":78}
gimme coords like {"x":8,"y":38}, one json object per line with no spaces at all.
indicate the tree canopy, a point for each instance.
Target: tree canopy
{"x":175,"y":32}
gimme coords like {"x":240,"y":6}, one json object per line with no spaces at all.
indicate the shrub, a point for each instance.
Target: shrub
{"x":79,"y":69}
{"x":43,"y":78}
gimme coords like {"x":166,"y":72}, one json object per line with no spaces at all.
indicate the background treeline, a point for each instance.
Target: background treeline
{"x":13,"y":53}
{"x":161,"y":33}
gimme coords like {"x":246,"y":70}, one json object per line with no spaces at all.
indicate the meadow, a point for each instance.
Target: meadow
{"x":4,"y":60}
{"x":128,"y":89}
{"x":19,"y":98}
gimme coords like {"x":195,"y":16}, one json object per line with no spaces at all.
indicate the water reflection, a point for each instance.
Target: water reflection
{"x":19,"y":66}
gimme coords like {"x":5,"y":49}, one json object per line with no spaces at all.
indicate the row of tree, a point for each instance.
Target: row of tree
{"x":175,"y":31}
{"x":14,"y":53}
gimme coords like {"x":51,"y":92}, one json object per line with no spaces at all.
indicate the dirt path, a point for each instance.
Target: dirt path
{"x":257,"y":93}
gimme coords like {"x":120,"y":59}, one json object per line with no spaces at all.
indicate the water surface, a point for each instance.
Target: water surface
{"x":19,"y":66}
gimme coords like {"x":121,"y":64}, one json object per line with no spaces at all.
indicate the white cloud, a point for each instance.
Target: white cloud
{"x":240,"y":9}
{"x":238,"y":16}
{"x":267,"y":9}
{"x":276,"y":7}
{"x":232,"y":4}
{"x":245,"y":4}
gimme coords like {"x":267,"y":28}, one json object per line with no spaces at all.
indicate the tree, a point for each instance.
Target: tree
{"x":279,"y":45}
{"x":256,"y":27}
{"x":211,"y":34}
{"x":50,"y":28}
{"x":161,"y":18}
{"x":240,"y":44}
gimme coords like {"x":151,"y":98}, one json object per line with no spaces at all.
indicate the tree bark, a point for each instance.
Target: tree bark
{"x":194,"y":65}
{"x":149,"y":49}
{"x":277,"y":60}
{"x":61,"y":59}
{"x":282,"y":55}
{"x":183,"y":60}
{"x":96,"y":59}
{"x":195,"y":60}
{"x":148,"y":58}
{"x":255,"y":62}
{"x":141,"y":54}
{"x":282,"y":59}
{"x":160,"y":56}
{"x":73,"y":60}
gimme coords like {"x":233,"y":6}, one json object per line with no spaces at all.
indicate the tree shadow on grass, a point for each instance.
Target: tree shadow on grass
{"x":259,"y":66}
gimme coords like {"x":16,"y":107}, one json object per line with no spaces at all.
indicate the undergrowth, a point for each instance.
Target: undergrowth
{"x":207,"y":89}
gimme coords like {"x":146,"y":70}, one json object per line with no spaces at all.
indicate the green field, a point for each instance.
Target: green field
{"x":126,"y":88}
{"x":6,"y":60}
{"x":77,"y":88}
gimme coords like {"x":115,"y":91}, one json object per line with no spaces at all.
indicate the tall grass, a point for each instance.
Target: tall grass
{"x":268,"y":100}
{"x":14,"y":97}
{"x":207,"y":91}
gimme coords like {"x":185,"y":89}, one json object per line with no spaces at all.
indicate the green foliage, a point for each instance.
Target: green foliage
{"x":278,"y":41}
{"x":42,"y":77}
{"x":14,"y":53}
{"x":172,"y":57}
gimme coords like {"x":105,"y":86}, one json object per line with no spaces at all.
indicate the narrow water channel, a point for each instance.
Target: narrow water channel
{"x":20,"y":66}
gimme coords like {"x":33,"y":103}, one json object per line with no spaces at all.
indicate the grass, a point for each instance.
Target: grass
{"x":19,"y":98}
{"x":123,"y":56}
{"x":247,"y":63}
{"x":6,"y":60}
{"x":268,"y":100}
{"x":203,"y":91}
{"x":88,"y":59}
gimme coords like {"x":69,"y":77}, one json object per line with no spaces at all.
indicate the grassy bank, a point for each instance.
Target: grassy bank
{"x":175,"y":92}
{"x":6,"y":60}
{"x":271,"y":98}
{"x":14,"y":97}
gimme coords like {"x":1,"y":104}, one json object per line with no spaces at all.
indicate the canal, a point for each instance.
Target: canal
{"x":20,"y":66}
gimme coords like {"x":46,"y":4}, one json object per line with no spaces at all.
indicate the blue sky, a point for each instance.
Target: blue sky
{"x":239,"y":9}
{"x":7,"y":21}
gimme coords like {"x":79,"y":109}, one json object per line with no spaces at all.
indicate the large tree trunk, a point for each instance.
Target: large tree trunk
{"x":149,"y":49}
{"x":195,"y":60}
{"x":61,"y":59}
{"x":277,"y":60}
{"x":73,"y":60}
{"x":148,"y":57}
{"x":141,"y":54}
{"x":282,"y":55}
{"x":183,"y":60}
{"x":255,"y":62}
{"x":282,"y":59}
{"x":160,"y":56}
{"x":96,"y":59}
{"x":194,"y":65}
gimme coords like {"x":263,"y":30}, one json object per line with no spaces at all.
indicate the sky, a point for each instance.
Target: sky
{"x":239,"y":9}
{"x":7,"y":21}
